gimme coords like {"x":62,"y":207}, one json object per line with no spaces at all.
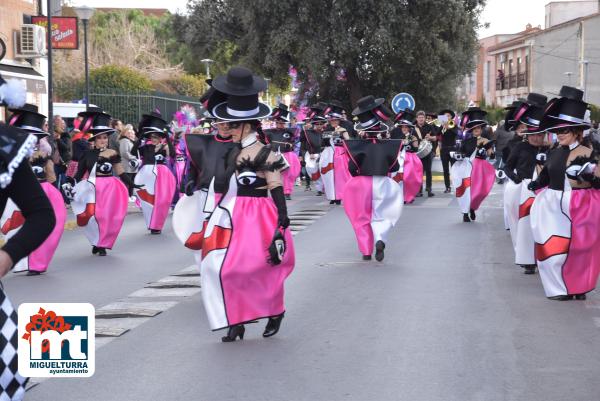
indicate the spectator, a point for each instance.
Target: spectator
{"x":126,"y":141}
{"x":62,"y":152}
{"x":113,"y":142}
{"x":79,"y":145}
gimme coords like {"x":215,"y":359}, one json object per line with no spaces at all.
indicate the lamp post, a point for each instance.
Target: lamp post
{"x":207,"y":62}
{"x":268,"y":99}
{"x":85,"y":14}
{"x":585,"y":77}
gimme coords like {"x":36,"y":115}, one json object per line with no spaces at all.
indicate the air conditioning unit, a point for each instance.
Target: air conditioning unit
{"x":32,"y":41}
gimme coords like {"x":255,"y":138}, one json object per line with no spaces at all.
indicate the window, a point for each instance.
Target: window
{"x":486,"y":76}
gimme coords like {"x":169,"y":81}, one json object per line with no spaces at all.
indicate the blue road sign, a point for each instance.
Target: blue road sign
{"x":402,"y":101}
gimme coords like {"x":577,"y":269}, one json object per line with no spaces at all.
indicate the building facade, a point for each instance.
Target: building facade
{"x":558,"y":12}
{"x":543,"y":61}
{"x":13,"y":14}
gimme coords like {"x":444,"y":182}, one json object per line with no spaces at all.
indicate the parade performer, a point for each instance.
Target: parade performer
{"x":100,"y":198}
{"x":519,"y":168}
{"x":565,"y":216}
{"x":247,"y":251}
{"x":372,"y":201}
{"x":185,"y":120}
{"x":18,"y":183}
{"x":333,"y":162}
{"x":310,"y":149}
{"x":411,"y":176}
{"x":282,"y":140}
{"x":159,"y":183}
{"x":472,"y":176}
{"x":206,"y":181}
{"x":29,"y":120}
{"x":447,"y":138}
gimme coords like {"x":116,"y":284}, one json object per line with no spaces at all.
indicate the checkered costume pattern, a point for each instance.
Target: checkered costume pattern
{"x":12,"y":384}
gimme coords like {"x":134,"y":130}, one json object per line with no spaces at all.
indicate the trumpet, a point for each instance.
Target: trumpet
{"x":451,"y":124}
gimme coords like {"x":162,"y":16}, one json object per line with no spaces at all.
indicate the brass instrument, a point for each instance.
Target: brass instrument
{"x":451,"y":124}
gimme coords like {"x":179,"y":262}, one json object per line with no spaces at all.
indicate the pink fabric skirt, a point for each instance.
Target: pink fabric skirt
{"x":413,"y":176}
{"x":290,"y":175}
{"x":373,"y":206}
{"x":100,"y":209}
{"x":340,"y":170}
{"x":180,"y":174}
{"x":41,"y":257}
{"x":483,"y":176}
{"x":156,"y":195}
{"x":566,"y":232}
{"x":238,"y":283}
{"x":111,"y":209}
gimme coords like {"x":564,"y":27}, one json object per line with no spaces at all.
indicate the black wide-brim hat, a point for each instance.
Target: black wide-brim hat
{"x":242,"y":88}
{"x":335,"y":110}
{"x":367,"y":103}
{"x":406,"y":117}
{"x":28,"y":119}
{"x":280,"y":113}
{"x":564,"y":113}
{"x":366,"y":112}
{"x":316,"y":112}
{"x":532,"y":120}
{"x":444,"y":111}
{"x":95,"y":122}
{"x":473,"y":117}
{"x":153,"y":123}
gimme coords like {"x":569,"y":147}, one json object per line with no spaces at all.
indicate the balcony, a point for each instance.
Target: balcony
{"x":521,"y":79}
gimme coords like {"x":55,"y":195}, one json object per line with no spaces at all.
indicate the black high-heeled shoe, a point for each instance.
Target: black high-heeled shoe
{"x":233,"y":333}
{"x":472,"y":215}
{"x":272,"y":326}
{"x":379,"y":247}
{"x":94,"y":250}
{"x":561,"y":298}
{"x":101,"y":251}
{"x":466,"y":218}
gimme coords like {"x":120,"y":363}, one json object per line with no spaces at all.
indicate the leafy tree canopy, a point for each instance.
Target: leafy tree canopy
{"x":348,"y":48}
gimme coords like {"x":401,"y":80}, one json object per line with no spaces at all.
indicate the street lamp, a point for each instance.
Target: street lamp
{"x":268,"y":82}
{"x":585,"y":78}
{"x":207,"y":62}
{"x":85,"y":14}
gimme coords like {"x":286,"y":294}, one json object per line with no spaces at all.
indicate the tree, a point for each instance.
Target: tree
{"x":119,"y":78}
{"x":349,"y":48}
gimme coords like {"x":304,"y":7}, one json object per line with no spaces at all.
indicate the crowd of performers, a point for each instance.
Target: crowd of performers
{"x":552,"y":198}
{"x":230,"y":187}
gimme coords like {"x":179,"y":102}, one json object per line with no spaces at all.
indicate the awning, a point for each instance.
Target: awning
{"x":36,"y":83}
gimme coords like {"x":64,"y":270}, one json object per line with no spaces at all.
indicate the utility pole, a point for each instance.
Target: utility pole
{"x":50,"y":94}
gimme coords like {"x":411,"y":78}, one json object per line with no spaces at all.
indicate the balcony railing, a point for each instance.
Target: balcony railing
{"x":522,"y":80}
{"x":512,"y":81}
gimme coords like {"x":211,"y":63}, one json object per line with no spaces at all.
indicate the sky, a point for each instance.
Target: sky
{"x":504,"y":16}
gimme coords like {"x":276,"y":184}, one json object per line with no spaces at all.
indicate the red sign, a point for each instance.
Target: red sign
{"x":64,"y":31}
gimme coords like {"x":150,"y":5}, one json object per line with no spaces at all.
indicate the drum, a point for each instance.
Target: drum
{"x":425,"y":148}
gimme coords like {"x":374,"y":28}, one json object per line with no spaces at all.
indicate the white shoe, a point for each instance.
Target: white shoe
{"x":132,"y":199}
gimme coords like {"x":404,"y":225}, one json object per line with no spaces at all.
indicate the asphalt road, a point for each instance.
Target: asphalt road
{"x":446,"y":316}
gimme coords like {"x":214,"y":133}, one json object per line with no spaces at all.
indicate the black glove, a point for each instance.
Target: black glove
{"x":534,"y":186}
{"x":190,"y":186}
{"x":127,"y":181}
{"x":540,"y":159}
{"x":279,"y":200}
{"x":481,"y":153}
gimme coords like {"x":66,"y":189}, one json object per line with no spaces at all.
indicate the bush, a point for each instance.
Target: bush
{"x":116,"y":78}
{"x":188,"y":85}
